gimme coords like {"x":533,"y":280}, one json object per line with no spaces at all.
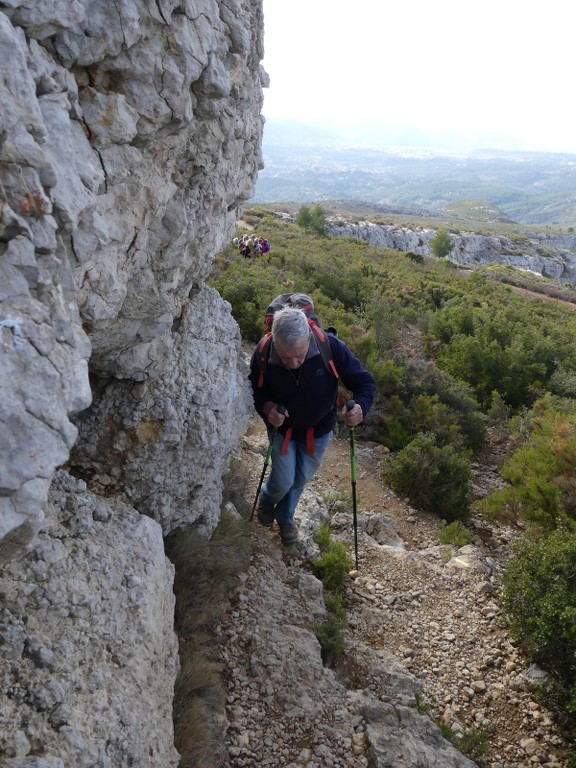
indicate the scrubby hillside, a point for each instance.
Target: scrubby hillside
{"x":459,"y":355}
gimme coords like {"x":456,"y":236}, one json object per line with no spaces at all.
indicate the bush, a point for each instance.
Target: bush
{"x":539,"y":600}
{"x":330,"y":633}
{"x":312,"y":219}
{"x":428,"y":400}
{"x":333,"y":566}
{"x":441,"y":244}
{"x":473,"y":743}
{"x":415,"y":257}
{"x":435,"y":478}
{"x":456,"y":534}
{"x":541,"y":473}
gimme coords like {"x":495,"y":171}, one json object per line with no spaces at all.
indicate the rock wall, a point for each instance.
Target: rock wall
{"x":552,"y":256}
{"x":130,"y":136}
{"x":88,"y":657}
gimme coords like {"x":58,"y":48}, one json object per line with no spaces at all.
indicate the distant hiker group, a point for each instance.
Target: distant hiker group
{"x":251,"y":245}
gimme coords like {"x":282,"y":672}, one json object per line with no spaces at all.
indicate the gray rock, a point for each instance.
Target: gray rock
{"x":130,"y":137}
{"x":552,"y":256}
{"x":119,"y":189}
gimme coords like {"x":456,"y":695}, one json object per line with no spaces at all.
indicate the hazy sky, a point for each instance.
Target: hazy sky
{"x":494,"y":73}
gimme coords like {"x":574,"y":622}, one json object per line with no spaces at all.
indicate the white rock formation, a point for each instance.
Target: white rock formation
{"x":130,"y":135}
{"x":552,"y":256}
{"x":88,"y":659}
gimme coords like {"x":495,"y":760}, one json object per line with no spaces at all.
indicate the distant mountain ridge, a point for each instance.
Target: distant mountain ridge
{"x":305,"y":164}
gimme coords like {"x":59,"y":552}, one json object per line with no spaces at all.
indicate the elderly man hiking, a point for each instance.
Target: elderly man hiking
{"x":300,"y":375}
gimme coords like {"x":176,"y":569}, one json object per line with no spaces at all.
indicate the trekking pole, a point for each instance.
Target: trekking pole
{"x":280,"y":409}
{"x":349,"y":405}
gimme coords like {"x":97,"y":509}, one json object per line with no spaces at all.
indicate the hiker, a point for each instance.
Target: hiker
{"x":297,"y":377}
{"x":245,"y":247}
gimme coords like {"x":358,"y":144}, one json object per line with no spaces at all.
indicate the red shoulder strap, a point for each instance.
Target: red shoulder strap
{"x":263,"y":351}
{"x":324,"y":347}
{"x":262,"y":354}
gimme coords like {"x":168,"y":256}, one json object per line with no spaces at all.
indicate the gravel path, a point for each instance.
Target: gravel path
{"x":423,"y":618}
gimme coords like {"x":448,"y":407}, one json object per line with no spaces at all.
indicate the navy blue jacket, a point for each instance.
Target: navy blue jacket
{"x":309,"y":392}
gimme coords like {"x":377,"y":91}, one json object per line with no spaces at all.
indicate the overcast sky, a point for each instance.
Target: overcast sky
{"x":496,"y":73}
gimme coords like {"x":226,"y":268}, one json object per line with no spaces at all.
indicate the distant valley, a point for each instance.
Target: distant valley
{"x":303,"y":165}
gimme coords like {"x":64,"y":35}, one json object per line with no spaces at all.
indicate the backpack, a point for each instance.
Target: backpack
{"x":305,"y":303}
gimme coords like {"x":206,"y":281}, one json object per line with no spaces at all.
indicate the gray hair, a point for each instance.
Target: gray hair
{"x":290,"y":327}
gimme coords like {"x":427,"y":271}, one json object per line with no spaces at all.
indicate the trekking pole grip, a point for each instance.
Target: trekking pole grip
{"x":349,"y":405}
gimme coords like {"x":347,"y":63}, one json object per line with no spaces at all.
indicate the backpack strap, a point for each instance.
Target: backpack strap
{"x":263,"y":353}
{"x":324,"y":347}
{"x":310,"y":440}
{"x":286,"y":441}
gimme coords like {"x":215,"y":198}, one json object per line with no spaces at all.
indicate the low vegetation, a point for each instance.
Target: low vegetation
{"x":332,"y":568}
{"x":453,"y":353}
{"x":473,"y":743}
{"x":456,"y":534}
{"x":540,"y":601}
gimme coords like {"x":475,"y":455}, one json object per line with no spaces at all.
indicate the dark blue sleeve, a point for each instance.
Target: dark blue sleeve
{"x":354,"y":377}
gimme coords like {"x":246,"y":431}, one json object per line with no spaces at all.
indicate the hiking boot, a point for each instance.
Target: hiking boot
{"x":265,"y":515}
{"x":288,"y":533}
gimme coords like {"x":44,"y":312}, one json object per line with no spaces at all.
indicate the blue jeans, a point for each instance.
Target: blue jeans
{"x":290,"y":473}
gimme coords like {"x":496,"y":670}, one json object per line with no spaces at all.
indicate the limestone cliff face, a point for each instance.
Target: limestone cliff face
{"x":130,"y":135}
{"x":552,"y":256}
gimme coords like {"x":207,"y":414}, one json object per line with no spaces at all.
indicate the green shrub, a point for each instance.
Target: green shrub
{"x":539,"y":600}
{"x":313,"y":219}
{"x":473,"y":743}
{"x":498,"y":348}
{"x":541,"y":473}
{"x":333,"y":566}
{"x":456,"y":534}
{"x":321,"y":535}
{"x":435,"y":478}
{"x":420,"y":398}
{"x":330,"y":635}
{"x":418,"y":258}
{"x":441,"y":244}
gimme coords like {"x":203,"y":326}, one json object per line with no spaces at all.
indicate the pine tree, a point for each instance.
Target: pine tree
{"x":441,"y":244}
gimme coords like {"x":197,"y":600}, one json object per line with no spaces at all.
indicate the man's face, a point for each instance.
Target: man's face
{"x":293,"y":357}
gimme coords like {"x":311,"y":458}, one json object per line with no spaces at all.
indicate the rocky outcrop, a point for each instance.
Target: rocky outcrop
{"x":552,"y":256}
{"x":130,"y":135}
{"x":88,"y":659}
